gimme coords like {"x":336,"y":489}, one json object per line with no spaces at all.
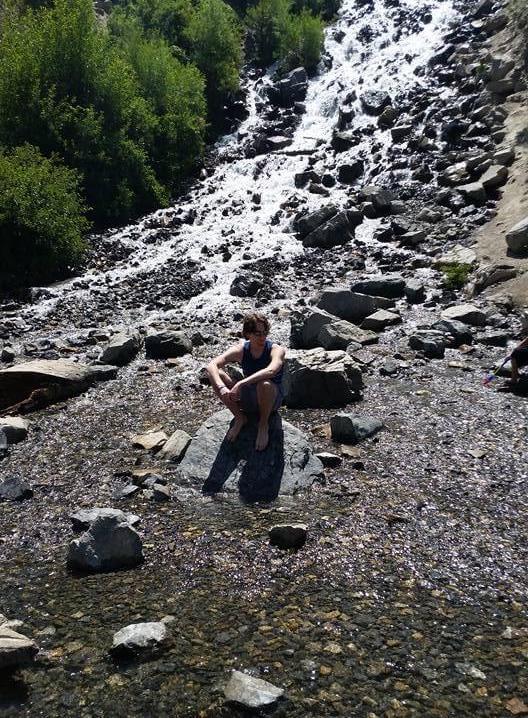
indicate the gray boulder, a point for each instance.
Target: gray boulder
{"x":380,"y":198}
{"x":304,"y":224}
{"x":121,"y":349}
{"x":349,"y":305}
{"x":305,"y":327}
{"x":252,"y":693}
{"x":517,"y":237}
{"x":321,"y":379}
{"x":143,"y":640}
{"x":176,"y":446}
{"x":336,"y":231}
{"x":16,"y":650}
{"x":215,"y":463}
{"x":288,"y":536}
{"x":246,"y":285}
{"x":290,"y":89}
{"x":15,"y":428}
{"x":14,"y":488}
{"x":340,"y":334}
{"x":432,"y":343}
{"x":380,"y":285}
{"x":84,"y":518}
{"x":349,"y":173}
{"x":466,"y":313}
{"x":414,"y":291}
{"x":494,"y":177}
{"x":381,"y":319}
{"x":167,"y":344}
{"x":458,"y":332}
{"x":350,"y":429}
{"x":491,"y":274}
{"x":109,"y":544}
{"x":473,"y":193}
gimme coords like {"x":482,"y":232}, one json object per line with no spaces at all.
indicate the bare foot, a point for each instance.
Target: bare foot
{"x":262,"y":438}
{"x":237,"y":427}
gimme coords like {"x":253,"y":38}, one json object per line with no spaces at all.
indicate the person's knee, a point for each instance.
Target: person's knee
{"x":265,"y":387}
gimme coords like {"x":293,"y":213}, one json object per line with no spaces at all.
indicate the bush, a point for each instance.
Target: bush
{"x":67,"y":87}
{"x":215,"y":37}
{"x":455,"y":274}
{"x":42,"y":217}
{"x":279,"y":34}
{"x":166,"y":18}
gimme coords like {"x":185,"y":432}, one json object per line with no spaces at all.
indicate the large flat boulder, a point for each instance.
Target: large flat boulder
{"x":352,"y":306}
{"x":286,"y":466}
{"x":321,"y":379}
{"x":390,"y":286}
{"x":465,"y":313}
{"x":48,"y":380}
{"x":305,"y":327}
{"x":340,"y":334}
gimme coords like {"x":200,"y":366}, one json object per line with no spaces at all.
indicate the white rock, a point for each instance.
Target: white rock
{"x":251,"y":692}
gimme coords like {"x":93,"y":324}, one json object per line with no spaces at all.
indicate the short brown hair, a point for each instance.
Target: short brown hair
{"x":250,"y":323}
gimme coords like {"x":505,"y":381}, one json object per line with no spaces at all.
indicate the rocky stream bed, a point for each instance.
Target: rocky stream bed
{"x":408,"y":597}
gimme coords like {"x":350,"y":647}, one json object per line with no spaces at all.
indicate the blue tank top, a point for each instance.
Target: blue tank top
{"x":250,"y":365}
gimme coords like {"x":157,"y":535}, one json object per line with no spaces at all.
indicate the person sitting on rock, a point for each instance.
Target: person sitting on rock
{"x":518,"y":358}
{"x":260,"y":391}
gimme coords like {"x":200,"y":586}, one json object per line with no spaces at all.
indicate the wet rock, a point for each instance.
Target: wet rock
{"x":246,"y":285}
{"x":329,"y":460}
{"x":252,"y":693}
{"x":350,"y":429}
{"x":413,"y":238}
{"x":401,"y":132}
{"x":235,"y":466}
{"x":517,"y":237}
{"x":307,"y":223}
{"x":380,"y":285}
{"x":352,"y":306}
{"x":121,"y":350}
{"x":109,"y":544}
{"x":344,"y":140}
{"x":340,"y":334}
{"x":277,"y":142}
{"x":289,"y":90}
{"x":303,"y":178}
{"x":320,"y":379}
{"x":388,"y":117}
{"x":15,"y":488}
{"x":16,"y":650}
{"x":150,"y":441}
{"x":380,"y":198}
{"x":175,"y":446}
{"x":288,"y":536}
{"x":375,"y":101}
{"x":349,"y":173}
{"x":432,"y":343}
{"x":336,"y":231}
{"x":161,"y":493}
{"x":7,"y":354}
{"x":414,"y":291}
{"x":305,"y":327}
{"x":35,"y":384}
{"x":380,"y":319}
{"x":458,"y":332}
{"x":15,"y":428}
{"x":466,"y":313}
{"x":84,"y":518}
{"x":167,"y":344}
{"x":139,"y":640}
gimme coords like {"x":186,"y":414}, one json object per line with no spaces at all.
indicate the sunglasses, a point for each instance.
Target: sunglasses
{"x":260,"y":334}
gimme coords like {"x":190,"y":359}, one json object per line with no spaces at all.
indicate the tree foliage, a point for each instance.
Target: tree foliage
{"x":42,"y":217}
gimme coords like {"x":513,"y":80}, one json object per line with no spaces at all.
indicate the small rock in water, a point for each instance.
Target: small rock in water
{"x":16,"y":650}
{"x":251,"y":692}
{"x":151,"y":441}
{"x":139,"y":639}
{"x":15,"y":428}
{"x":329,"y":460}
{"x":14,"y":488}
{"x":108,"y":545}
{"x":84,"y":518}
{"x":288,"y":535}
{"x":176,"y":446}
{"x":350,"y":429}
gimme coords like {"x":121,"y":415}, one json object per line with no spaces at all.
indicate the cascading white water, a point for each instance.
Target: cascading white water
{"x":223,"y":202}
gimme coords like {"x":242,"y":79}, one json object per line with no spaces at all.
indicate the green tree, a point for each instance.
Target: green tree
{"x":304,"y":41}
{"x":168,"y":19}
{"x":269,"y":23}
{"x":215,"y":35}
{"x":42,"y":217}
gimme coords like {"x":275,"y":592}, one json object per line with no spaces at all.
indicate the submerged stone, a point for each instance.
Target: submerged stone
{"x":251,"y":692}
{"x":139,"y":640}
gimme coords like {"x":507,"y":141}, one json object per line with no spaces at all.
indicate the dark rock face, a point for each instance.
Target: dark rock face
{"x":167,"y":344}
{"x":389,"y":286}
{"x":84,"y":518}
{"x":14,"y":488}
{"x":338,"y":230}
{"x":352,"y":306}
{"x":432,"y":343}
{"x":246,"y":285}
{"x":374,"y":102}
{"x":288,"y":536}
{"x":290,"y":90}
{"x":286,"y":466}
{"x":307,"y":223}
{"x":108,"y":545}
{"x":121,"y":350}
{"x":458,"y":332}
{"x":320,"y":379}
{"x":350,"y":429}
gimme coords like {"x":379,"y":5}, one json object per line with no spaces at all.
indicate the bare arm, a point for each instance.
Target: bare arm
{"x":233,"y":354}
{"x":524,"y":343}
{"x":278,"y":354}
